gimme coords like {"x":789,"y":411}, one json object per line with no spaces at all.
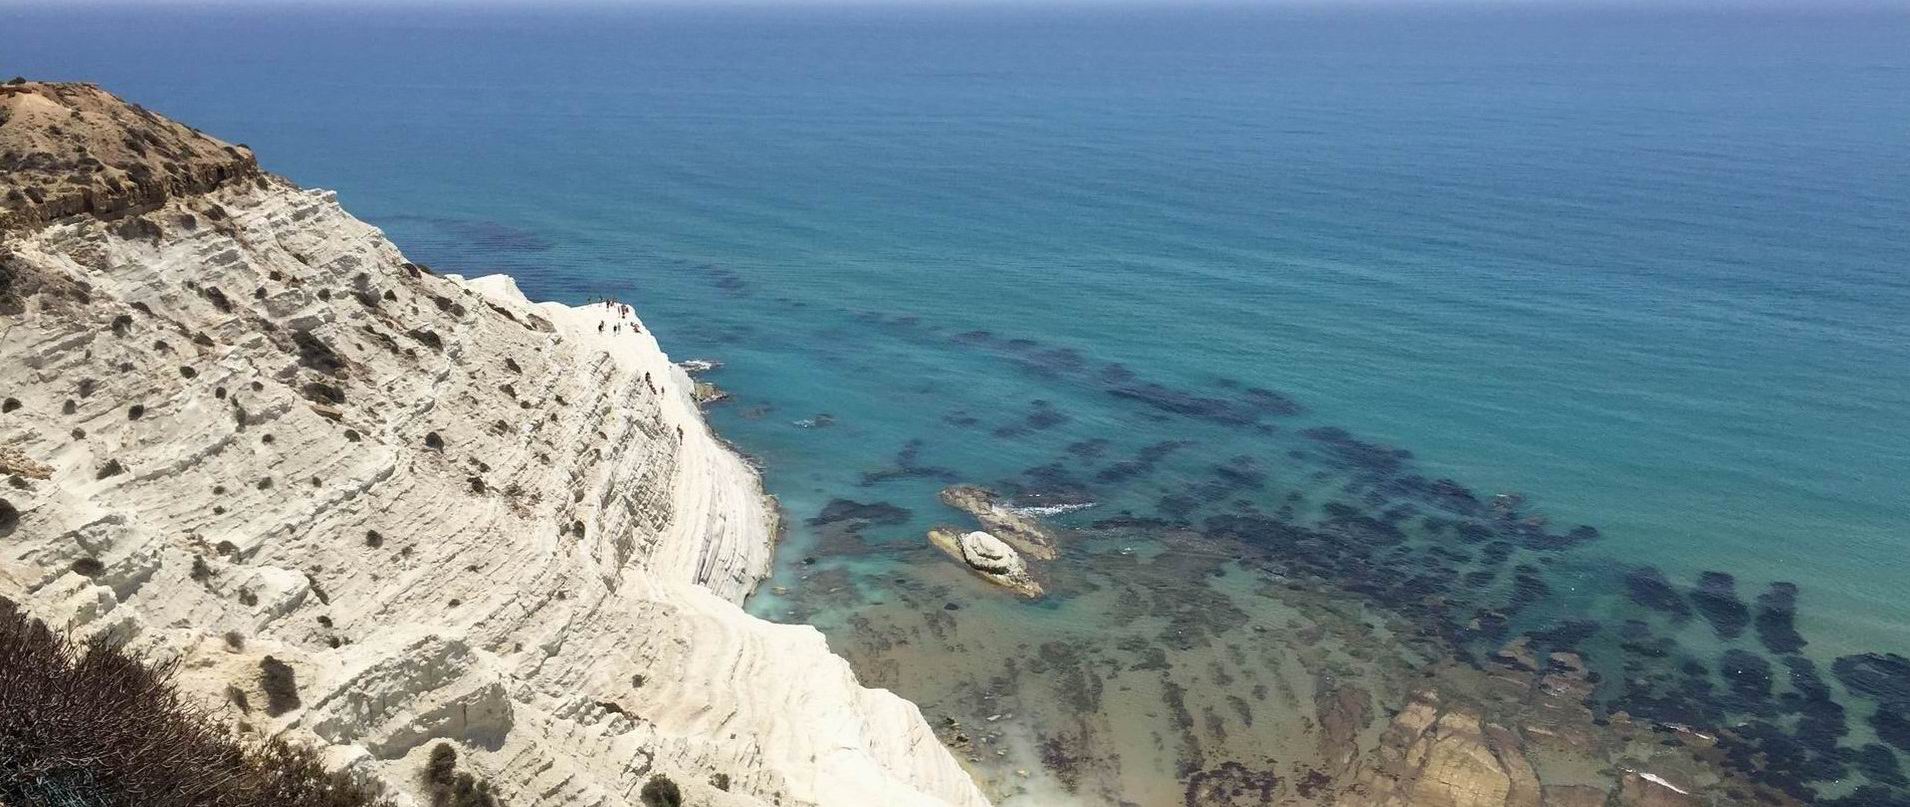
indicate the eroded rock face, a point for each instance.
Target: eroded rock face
{"x":68,"y":148}
{"x":990,"y":557}
{"x":551,"y":583}
{"x":1434,"y":755}
{"x":1025,"y":532}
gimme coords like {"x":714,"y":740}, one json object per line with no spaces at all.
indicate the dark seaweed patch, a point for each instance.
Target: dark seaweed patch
{"x":1144,"y":462}
{"x":1716,"y":599}
{"x":1884,"y":676}
{"x":1776,"y":619}
{"x":1089,"y":449}
{"x":1748,"y":675}
{"x":1880,"y":765}
{"x":1246,"y":410}
{"x":844,"y":510}
{"x":1647,"y":587}
{"x":1041,"y":415}
{"x":908,"y":465}
{"x":1892,"y":725}
{"x":1361,"y":455}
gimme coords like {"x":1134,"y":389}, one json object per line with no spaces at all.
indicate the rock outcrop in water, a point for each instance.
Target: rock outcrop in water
{"x":989,"y":557}
{"x":1023,"y":531}
{"x":374,"y":508}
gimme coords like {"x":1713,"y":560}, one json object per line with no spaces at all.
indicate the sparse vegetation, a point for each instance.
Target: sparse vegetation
{"x":280,"y":685}
{"x":433,"y":441}
{"x":91,"y":567}
{"x":135,"y":412}
{"x":450,"y":787}
{"x":9,"y":404}
{"x":87,"y":724}
{"x":661,"y":792}
{"x":373,"y":539}
{"x":111,"y":468}
{"x":236,"y":697}
{"x":427,"y":338}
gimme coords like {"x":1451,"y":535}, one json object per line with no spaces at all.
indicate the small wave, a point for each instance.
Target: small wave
{"x":1043,"y":510}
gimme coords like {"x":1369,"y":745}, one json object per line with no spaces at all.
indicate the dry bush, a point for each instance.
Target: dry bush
{"x":450,"y":787}
{"x":86,"y":725}
{"x":280,"y":685}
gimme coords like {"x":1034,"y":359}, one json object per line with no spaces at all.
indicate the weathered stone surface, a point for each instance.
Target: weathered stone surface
{"x":990,"y":557}
{"x":68,"y":148}
{"x":1436,"y":755}
{"x":553,"y":586}
{"x":1025,"y":532}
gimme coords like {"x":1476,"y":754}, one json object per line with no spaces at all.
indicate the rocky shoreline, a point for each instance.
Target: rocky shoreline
{"x":376,"y":509}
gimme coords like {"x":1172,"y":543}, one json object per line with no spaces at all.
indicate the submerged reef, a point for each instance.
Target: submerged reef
{"x":1325,"y":623}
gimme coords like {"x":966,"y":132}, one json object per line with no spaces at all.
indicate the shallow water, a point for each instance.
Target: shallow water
{"x":1646,"y":270}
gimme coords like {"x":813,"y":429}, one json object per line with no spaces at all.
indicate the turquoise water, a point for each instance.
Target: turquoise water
{"x":1647,"y":269}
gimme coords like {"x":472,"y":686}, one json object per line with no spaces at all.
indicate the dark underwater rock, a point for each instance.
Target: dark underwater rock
{"x":841,"y":510}
{"x":1892,"y":722}
{"x":1370,"y":457}
{"x":1748,"y":675}
{"x":1649,"y":588}
{"x":1187,"y":404}
{"x":1716,"y":599}
{"x":1883,"y":676}
{"x":1776,"y":619}
{"x":1880,"y":765}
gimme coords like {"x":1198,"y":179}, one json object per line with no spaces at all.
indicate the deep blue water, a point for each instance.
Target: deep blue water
{"x":1646,"y":268}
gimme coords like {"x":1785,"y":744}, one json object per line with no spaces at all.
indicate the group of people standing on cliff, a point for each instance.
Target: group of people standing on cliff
{"x":623,"y":312}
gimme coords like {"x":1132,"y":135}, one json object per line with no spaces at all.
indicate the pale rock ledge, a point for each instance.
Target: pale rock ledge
{"x":243,"y":426}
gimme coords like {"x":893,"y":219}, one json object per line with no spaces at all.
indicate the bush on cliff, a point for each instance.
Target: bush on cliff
{"x":661,"y":792}
{"x":90,"y":726}
{"x":450,"y":787}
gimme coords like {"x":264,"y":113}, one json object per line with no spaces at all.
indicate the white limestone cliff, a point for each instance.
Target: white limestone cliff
{"x":239,"y":425}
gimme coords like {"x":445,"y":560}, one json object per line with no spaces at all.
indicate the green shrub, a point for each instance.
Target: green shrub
{"x":661,"y":792}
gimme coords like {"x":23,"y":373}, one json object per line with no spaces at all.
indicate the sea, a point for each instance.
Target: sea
{"x":1332,"y":339}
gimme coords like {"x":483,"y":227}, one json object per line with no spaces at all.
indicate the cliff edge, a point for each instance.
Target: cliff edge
{"x":376,"y":508}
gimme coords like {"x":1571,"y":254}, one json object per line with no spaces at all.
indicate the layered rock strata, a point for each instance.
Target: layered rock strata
{"x":988,"y":557}
{"x":1024,"y":531}
{"x":377,"y":508}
